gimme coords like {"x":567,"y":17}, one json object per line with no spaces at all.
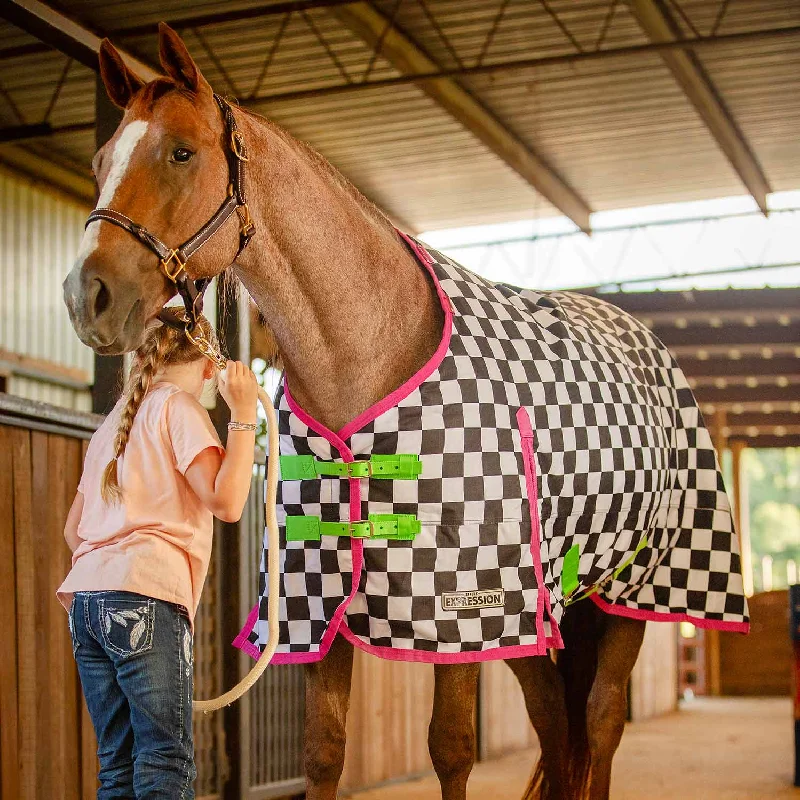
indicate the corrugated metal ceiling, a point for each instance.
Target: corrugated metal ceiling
{"x":619,"y":130}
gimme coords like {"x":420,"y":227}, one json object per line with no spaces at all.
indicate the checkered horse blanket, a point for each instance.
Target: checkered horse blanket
{"x":550,"y":452}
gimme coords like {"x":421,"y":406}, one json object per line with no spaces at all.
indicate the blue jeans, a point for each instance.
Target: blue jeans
{"x":134,"y":657}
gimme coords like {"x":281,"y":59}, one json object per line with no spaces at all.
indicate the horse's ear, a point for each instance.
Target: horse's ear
{"x":120,"y":82}
{"x":177,"y":62}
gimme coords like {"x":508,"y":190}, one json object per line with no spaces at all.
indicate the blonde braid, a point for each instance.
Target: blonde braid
{"x":149,"y":360}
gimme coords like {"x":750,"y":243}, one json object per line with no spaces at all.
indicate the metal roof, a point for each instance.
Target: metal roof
{"x":618,"y":130}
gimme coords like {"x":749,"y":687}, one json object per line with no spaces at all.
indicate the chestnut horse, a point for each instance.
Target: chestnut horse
{"x":322,"y":257}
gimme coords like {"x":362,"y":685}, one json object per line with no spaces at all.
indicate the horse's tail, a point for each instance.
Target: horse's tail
{"x":577,"y":664}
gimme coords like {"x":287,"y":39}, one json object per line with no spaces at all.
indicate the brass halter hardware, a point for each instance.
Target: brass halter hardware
{"x":198,"y":339}
{"x":180,"y":266}
{"x":173,"y":261}
{"x":238,"y":146}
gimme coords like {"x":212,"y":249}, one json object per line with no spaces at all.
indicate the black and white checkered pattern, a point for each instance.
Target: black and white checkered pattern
{"x":620,"y":451}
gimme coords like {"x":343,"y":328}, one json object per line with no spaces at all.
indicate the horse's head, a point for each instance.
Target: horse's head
{"x":166,"y":169}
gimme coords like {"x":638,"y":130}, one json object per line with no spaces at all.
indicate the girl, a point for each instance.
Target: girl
{"x":140,"y":529}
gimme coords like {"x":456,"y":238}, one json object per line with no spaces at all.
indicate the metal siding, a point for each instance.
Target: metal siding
{"x":39,"y":236}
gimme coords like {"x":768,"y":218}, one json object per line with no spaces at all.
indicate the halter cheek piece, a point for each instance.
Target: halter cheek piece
{"x":173,"y":262}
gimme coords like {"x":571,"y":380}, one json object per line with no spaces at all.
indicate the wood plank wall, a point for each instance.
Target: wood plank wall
{"x":47,"y":744}
{"x":654,"y":680}
{"x":761,"y":662}
{"x":387,"y":725}
{"x":47,"y":747}
{"x":504,"y":723}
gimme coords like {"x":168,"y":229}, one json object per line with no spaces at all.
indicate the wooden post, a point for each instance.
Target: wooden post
{"x":711,"y":637}
{"x":794,"y":616}
{"x":108,"y":370}
{"x":233,"y":330}
{"x":741,"y":513}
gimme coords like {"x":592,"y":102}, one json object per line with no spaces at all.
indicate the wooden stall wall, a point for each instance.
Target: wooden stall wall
{"x":503,"y":720}
{"x":387,"y":725}
{"x":654,"y":680}
{"x":759,"y":663}
{"x":47,"y":744}
{"x":47,"y":747}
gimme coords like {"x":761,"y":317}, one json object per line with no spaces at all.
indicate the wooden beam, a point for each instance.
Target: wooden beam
{"x":408,"y":57}
{"x":738,"y":368}
{"x":731,"y":395}
{"x":741,"y":509}
{"x":72,"y":38}
{"x":656,"y":20}
{"x":767,"y":441}
{"x":712,"y":301}
{"x":760,"y":419}
{"x":766,"y":334}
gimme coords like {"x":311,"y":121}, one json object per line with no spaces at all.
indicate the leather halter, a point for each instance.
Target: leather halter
{"x":173,"y":262}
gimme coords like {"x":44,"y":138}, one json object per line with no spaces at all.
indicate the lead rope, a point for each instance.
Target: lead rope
{"x":207,"y":706}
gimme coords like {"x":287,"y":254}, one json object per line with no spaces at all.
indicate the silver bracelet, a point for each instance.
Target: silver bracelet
{"x":241,"y":426}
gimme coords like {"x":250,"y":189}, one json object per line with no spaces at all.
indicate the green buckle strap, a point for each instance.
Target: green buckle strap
{"x":569,"y":572}
{"x":377,"y":526}
{"x":400,"y":467}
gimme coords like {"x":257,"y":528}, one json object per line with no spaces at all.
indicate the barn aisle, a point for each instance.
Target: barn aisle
{"x":712,"y":749}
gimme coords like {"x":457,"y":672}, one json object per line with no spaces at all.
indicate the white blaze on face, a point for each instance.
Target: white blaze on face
{"x":120,"y":158}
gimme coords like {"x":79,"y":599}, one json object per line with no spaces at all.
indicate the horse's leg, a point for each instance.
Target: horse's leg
{"x":451,"y":735}
{"x":608,"y":702}
{"x":327,"y":699}
{"x":543,"y":688}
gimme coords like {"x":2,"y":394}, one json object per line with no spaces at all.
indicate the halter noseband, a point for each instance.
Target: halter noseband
{"x":173,"y":262}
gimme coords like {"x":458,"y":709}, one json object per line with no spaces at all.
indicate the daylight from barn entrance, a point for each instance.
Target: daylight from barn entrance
{"x":709,"y":244}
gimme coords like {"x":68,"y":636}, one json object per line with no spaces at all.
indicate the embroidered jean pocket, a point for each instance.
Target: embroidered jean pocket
{"x":127,"y":625}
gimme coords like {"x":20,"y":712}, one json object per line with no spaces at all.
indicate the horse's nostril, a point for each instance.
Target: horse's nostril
{"x":102,"y":298}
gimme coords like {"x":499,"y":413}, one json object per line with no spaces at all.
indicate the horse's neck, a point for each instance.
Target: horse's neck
{"x":352,"y":312}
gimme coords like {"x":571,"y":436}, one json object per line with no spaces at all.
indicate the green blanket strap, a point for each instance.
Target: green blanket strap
{"x":569,"y":572}
{"x":400,"y":467}
{"x":377,"y":526}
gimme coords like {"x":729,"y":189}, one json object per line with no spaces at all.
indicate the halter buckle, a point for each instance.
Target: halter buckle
{"x":238,"y":146}
{"x":246,"y":228}
{"x":180,"y":265}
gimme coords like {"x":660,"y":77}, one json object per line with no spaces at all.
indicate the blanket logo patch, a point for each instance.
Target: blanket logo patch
{"x":474,"y":598}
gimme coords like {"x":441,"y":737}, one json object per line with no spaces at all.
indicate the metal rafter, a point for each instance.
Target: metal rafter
{"x":656,"y":20}
{"x":487,"y":42}
{"x":407,"y":56}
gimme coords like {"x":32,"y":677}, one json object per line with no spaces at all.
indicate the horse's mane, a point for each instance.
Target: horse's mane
{"x":323,"y":166}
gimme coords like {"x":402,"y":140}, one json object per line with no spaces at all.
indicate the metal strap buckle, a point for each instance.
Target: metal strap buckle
{"x":180,"y":265}
{"x":358,"y":465}
{"x":246,"y":228}
{"x":238,"y":146}
{"x":352,"y":533}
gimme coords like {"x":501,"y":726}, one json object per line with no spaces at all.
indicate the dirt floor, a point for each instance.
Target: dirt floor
{"x":712,"y":749}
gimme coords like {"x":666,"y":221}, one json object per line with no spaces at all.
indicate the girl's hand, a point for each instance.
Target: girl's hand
{"x":239,"y":389}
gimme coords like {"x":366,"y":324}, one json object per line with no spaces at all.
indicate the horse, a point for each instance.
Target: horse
{"x":354,"y":317}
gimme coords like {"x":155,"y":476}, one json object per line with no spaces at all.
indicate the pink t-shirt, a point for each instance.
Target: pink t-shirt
{"x":157,"y":540}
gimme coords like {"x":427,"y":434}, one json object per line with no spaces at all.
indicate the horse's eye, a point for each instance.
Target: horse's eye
{"x":181,"y":155}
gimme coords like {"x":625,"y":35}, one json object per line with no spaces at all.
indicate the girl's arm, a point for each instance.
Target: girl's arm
{"x":223,"y":483}
{"x":73,"y":520}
